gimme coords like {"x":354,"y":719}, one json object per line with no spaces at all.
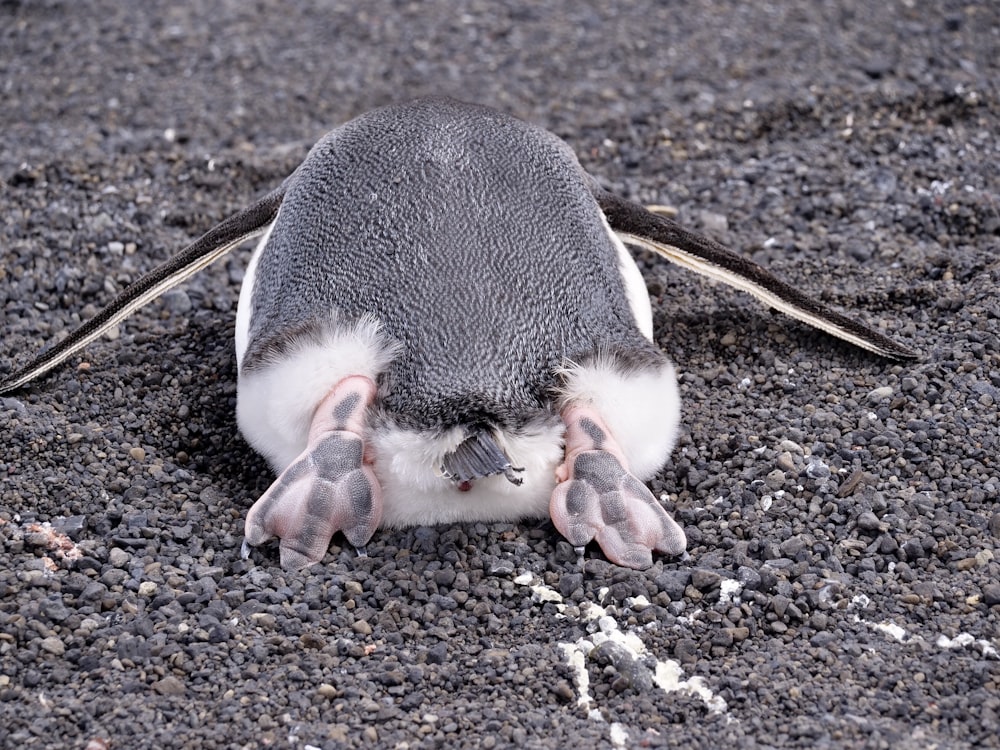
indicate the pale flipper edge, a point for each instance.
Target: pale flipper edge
{"x":204,"y":251}
{"x":665,"y":237}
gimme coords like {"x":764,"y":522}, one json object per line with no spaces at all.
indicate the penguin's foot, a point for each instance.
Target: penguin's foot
{"x":597,"y":498}
{"x":328,"y":488}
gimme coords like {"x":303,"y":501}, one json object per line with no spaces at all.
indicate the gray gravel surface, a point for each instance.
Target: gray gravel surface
{"x":842,"y":587}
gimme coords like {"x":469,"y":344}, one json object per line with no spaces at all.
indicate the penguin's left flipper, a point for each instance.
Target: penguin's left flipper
{"x":636,"y":225}
{"x":598,"y":499}
{"x":214,"y":244}
{"x":328,"y":488}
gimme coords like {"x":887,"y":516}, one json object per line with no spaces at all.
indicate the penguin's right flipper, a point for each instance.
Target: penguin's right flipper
{"x":204,"y":251}
{"x":328,"y":488}
{"x":597,"y":498}
{"x":636,"y":225}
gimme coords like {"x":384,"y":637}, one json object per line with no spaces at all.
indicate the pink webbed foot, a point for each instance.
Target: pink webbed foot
{"x":598,"y":499}
{"x":328,"y":488}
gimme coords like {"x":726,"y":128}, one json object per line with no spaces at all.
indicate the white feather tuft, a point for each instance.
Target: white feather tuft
{"x":275,"y":404}
{"x":641,"y":408}
{"x":407,"y":461}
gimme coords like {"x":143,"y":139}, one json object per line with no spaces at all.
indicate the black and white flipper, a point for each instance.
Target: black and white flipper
{"x":201,"y":253}
{"x":636,"y":225}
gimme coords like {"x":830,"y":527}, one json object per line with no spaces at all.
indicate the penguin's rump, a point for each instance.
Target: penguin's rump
{"x":458,"y":258}
{"x":472,"y":238}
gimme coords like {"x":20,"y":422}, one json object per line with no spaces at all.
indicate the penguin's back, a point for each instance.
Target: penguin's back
{"x":470,"y":236}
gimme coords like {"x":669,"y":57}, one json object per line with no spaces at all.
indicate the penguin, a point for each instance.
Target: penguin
{"x":441,"y":322}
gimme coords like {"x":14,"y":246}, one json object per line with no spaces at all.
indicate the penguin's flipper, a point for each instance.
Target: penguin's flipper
{"x":598,"y":499}
{"x":204,"y":251}
{"x":328,"y":488}
{"x":636,"y":225}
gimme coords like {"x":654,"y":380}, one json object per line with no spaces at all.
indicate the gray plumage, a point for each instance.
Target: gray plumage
{"x":472,"y":236}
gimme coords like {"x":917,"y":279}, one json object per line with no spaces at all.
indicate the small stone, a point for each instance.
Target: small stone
{"x":502,"y":568}
{"x":177,"y":302}
{"x":563,"y":691}
{"x":148,"y":589}
{"x":118,"y":557}
{"x":53,"y":645}
{"x":880,"y":394}
{"x":705,"y":580}
{"x":790,"y":446}
{"x":686,"y":651}
{"x":723,"y":638}
{"x":868,"y":521}
{"x":312,"y":640}
{"x":822,"y":639}
{"x":792,"y":546}
{"x":817,"y":470}
{"x":361,"y":627}
{"x":785,"y":462}
{"x":775,"y":480}
{"x":749,"y":577}
{"x":913,"y":549}
{"x":392,"y":678}
{"x":851,"y":483}
{"x":887,"y":545}
{"x":326,"y":690}
{"x":673,"y":583}
{"x":169,"y":686}
{"x":71,"y":526}
{"x":438,"y":653}
{"x":353,"y":588}
{"x":54,"y":610}
{"x":339,"y":733}
{"x":739,"y":634}
{"x":780,"y":605}
{"x":991,"y":594}
{"x":570,"y":583}
{"x":137,"y":453}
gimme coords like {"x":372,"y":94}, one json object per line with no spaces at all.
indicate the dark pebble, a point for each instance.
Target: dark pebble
{"x":673,"y":583}
{"x":705,"y":580}
{"x":991,"y":594}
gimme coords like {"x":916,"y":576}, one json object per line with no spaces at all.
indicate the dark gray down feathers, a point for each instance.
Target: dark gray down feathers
{"x":472,"y":236}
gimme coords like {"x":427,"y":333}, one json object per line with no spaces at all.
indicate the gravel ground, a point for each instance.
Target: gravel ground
{"x":842,"y":587}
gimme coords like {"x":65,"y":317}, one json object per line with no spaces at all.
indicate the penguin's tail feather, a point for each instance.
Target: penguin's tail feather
{"x":478,"y":456}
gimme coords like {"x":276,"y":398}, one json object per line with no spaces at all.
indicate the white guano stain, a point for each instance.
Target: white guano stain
{"x":667,"y":674}
{"x":899,"y":633}
{"x":962,"y":640}
{"x":619,"y":735}
{"x":729,"y":590}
